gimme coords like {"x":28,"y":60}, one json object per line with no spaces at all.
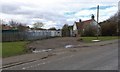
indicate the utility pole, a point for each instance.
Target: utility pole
{"x":97,"y":19}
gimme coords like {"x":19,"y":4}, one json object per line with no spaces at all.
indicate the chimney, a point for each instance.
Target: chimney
{"x":74,"y":21}
{"x":80,"y":20}
{"x":92,"y":16}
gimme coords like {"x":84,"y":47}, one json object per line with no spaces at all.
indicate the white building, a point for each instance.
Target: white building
{"x":80,"y":27}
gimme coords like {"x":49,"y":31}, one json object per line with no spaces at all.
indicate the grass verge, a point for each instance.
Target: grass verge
{"x":13,"y":48}
{"x":0,"y":49}
{"x":101,"y":38}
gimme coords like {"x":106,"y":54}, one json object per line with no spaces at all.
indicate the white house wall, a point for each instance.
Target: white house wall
{"x":74,"y":27}
{"x":75,"y":31}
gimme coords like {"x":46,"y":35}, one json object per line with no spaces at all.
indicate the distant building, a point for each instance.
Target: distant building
{"x":5,"y":27}
{"x":79,"y":28}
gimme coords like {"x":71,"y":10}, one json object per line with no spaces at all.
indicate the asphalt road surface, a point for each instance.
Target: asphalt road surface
{"x":89,"y":58}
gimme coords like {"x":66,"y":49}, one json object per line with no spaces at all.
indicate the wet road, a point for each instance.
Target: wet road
{"x":91,"y":58}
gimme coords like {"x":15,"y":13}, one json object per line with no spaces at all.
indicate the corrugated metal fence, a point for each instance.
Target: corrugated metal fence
{"x":14,"y":35}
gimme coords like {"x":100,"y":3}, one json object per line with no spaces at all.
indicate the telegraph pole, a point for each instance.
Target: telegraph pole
{"x":97,"y":19}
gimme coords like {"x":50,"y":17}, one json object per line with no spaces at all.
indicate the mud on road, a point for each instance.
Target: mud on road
{"x":54,"y":43}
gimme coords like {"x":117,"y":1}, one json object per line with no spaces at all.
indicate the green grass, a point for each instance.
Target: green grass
{"x":101,"y":38}
{"x":0,"y":49}
{"x":13,"y":48}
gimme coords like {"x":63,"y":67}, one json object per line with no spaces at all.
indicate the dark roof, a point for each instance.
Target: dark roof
{"x":5,"y":27}
{"x":87,"y":21}
{"x":81,"y":24}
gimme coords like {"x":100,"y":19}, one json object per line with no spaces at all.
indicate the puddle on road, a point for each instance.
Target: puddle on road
{"x":44,"y":50}
{"x":69,"y":46}
{"x":50,"y":49}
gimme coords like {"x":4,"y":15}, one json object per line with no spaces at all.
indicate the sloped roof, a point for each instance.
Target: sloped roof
{"x":5,"y":27}
{"x":87,"y":21}
{"x":81,"y":24}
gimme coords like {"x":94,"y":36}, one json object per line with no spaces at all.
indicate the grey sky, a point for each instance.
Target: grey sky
{"x":55,"y":13}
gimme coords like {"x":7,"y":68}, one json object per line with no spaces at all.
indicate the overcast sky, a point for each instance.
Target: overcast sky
{"x":55,"y":13}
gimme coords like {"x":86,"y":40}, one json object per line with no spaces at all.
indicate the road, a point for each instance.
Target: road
{"x":87,"y":58}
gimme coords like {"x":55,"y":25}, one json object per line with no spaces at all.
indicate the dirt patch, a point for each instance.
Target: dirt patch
{"x":54,"y":43}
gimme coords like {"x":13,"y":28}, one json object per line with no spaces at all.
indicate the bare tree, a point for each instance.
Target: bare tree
{"x":2,"y":22}
{"x":14,"y":24}
{"x":17,"y":25}
{"x":22,"y":27}
{"x":38,"y":25}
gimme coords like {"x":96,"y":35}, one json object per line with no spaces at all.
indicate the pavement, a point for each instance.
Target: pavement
{"x":88,"y":58}
{"x":32,"y":57}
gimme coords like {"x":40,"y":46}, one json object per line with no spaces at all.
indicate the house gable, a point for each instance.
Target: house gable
{"x":74,"y":26}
